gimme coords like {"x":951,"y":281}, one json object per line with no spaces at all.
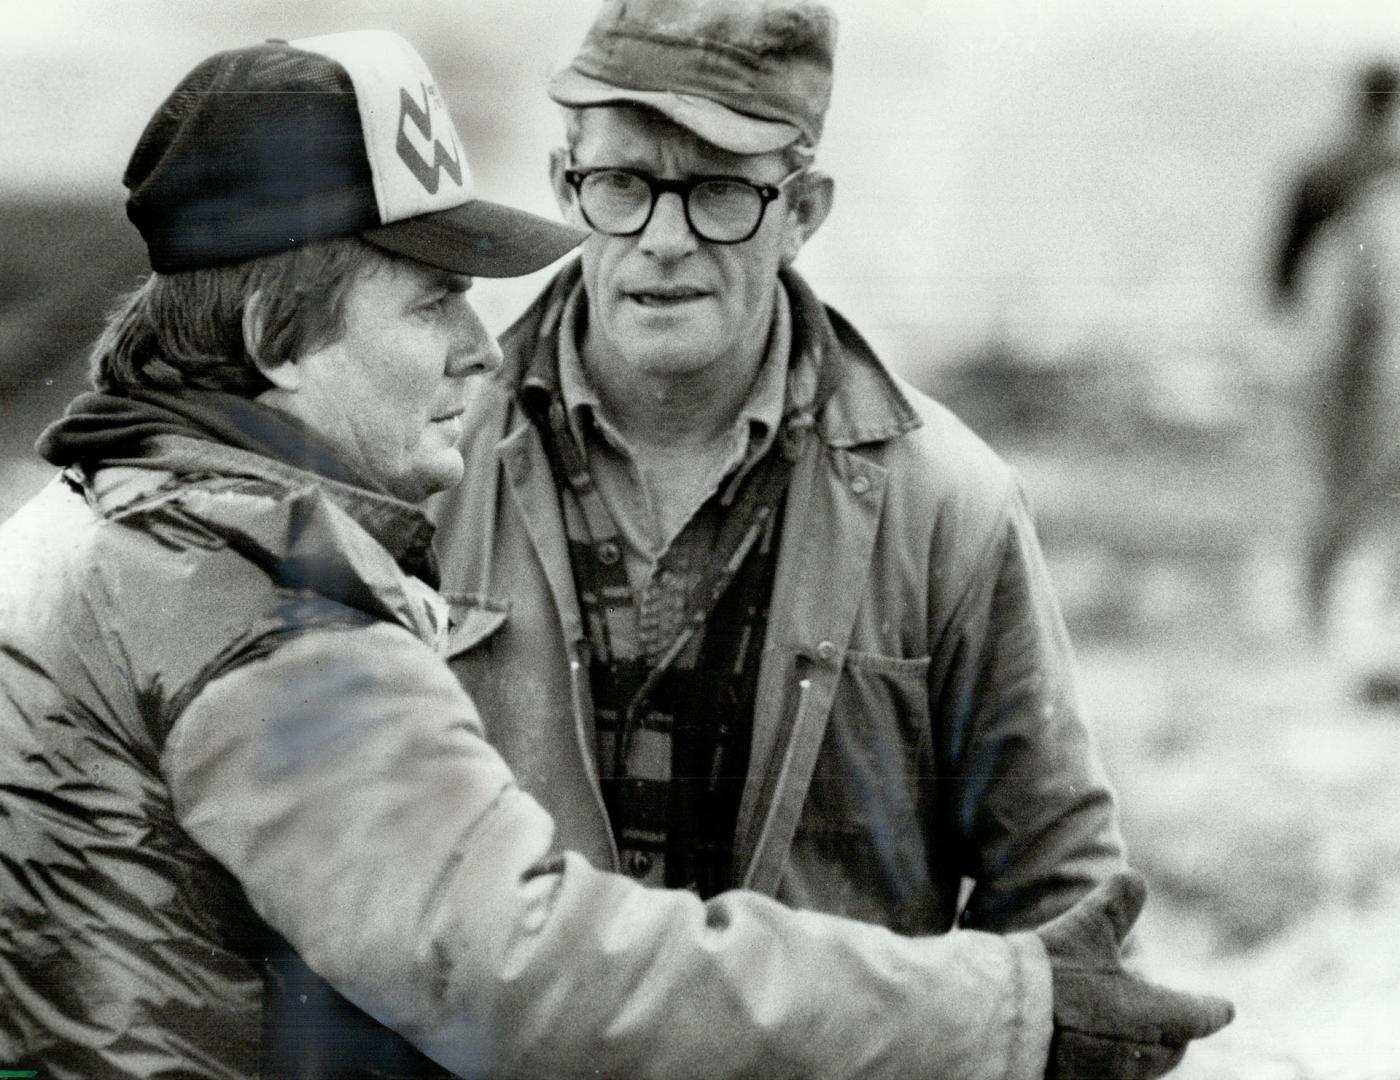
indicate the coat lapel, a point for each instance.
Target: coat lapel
{"x":828,"y":540}
{"x":532,"y":488}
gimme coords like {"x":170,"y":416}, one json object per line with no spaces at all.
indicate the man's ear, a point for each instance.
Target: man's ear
{"x":563,"y":193}
{"x":810,"y":204}
{"x":282,"y":375}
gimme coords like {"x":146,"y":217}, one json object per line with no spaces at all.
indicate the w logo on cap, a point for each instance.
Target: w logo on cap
{"x":428,"y":173}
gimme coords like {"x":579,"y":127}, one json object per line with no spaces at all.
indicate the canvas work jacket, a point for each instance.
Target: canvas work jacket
{"x":224,"y":714}
{"x":916,"y":723}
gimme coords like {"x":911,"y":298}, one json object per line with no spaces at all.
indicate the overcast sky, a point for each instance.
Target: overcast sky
{"x":79,"y":77}
{"x":1011,"y":166}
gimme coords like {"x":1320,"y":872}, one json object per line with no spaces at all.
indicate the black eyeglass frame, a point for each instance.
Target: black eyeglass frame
{"x":658,"y":186}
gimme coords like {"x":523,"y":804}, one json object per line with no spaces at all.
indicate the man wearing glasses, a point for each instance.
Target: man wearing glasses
{"x":742,"y":608}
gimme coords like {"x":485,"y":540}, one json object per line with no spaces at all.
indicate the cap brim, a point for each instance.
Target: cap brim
{"x":717,"y":124}
{"x":480,"y":238}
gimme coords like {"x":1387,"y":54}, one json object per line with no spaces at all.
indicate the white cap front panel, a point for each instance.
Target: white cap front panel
{"x":415,"y":154}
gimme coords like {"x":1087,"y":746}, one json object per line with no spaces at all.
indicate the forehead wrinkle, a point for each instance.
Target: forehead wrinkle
{"x":645,"y":138}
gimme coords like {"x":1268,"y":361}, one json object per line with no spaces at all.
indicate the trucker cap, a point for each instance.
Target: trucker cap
{"x":266,"y":148}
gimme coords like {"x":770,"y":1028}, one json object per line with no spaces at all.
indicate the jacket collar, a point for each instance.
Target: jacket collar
{"x":401,"y":529}
{"x":862,"y":402}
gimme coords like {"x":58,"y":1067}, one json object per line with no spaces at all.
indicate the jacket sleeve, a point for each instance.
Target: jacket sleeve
{"x":344,"y":779}
{"x":1034,"y":811}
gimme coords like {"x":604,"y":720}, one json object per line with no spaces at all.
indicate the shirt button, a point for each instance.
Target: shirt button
{"x":860,"y":483}
{"x":638,"y":863}
{"x":608,"y":553}
{"x":826,"y":650}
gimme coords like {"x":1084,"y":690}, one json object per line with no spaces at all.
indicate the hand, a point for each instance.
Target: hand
{"x":1110,"y":1024}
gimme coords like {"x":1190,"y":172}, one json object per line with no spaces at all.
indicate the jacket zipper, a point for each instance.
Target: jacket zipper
{"x":775,"y":797}
{"x":590,"y":765}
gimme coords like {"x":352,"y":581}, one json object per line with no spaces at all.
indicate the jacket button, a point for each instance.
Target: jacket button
{"x":608,"y":553}
{"x":638,"y":863}
{"x":860,"y":483}
{"x":826,"y":650}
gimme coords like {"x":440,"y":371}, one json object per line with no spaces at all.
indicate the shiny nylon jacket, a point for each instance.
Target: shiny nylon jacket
{"x":223,"y":712}
{"x":125,"y":949}
{"x":917,"y":722}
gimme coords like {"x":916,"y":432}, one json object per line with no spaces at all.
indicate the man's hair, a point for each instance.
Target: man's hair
{"x":795,"y":155}
{"x":185,"y":330}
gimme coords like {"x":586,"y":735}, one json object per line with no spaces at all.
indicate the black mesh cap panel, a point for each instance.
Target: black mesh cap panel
{"x":258,"y":150}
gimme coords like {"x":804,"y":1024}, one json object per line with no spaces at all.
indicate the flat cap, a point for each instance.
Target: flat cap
{"x":746,"y":75}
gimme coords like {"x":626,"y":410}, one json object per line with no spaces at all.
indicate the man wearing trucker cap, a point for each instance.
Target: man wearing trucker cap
{"x":740,"y":607}
{"x":235,"y":772}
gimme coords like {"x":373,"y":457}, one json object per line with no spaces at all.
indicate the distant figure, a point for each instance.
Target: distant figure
{"x":1340,"y":258}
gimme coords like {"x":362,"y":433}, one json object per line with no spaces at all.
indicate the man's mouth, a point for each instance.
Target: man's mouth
{"x":664,"y":295}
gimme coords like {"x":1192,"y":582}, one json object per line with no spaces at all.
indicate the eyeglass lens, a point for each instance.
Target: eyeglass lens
{"x":720,"y":210}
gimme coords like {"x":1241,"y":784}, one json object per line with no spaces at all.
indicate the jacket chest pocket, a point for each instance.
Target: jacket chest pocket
{"x":876,"y":752}
{"x":861,"y":847}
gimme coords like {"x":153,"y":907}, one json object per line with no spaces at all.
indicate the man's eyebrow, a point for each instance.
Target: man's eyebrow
{"x":616,"y":161}
{"x":453,"y":283}
{"x":637,"y":165}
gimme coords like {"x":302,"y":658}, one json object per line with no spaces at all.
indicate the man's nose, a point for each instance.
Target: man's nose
{"x":474,"y":351}
{"x":668,"y":233}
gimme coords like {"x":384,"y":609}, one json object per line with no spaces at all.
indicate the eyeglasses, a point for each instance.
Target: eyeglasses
{"x":720,"y":209}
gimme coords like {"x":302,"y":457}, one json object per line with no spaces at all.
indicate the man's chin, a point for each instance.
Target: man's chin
{"x":674,"y":363}
{"x":683,"y":349}
{"x":694,"y":319}
{"x":430,"y":480}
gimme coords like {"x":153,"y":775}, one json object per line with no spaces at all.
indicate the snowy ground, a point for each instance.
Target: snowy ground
{"x":1260,"y":795}
{"x":1262,"y":803}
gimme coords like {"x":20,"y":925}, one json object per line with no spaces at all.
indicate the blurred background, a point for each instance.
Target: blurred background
{"x":1058,"y":216}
